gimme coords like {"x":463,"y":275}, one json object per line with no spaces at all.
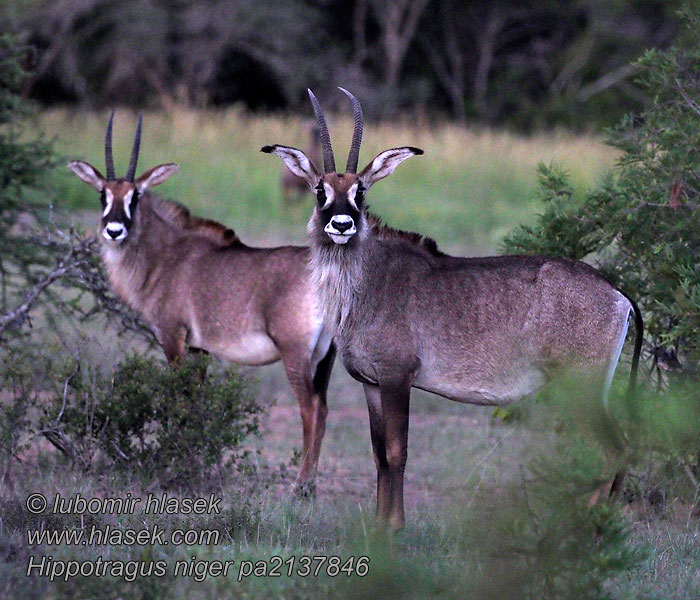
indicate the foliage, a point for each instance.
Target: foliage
{"x":544,"y":537}
{"x":527,"y":63}
{"x":22,"y":163}
{"x":173,"y":423}
{"x":495,"y":511}
{"x":37,"y":254}
{"x":640,"y":224}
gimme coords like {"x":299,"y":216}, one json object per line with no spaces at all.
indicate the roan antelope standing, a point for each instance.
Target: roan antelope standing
{"x":479,"y":330}
{"x":197,"y":284}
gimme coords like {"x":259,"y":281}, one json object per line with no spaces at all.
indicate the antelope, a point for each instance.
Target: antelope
{"x":484,"y":331}
{"x":292,"y":186}
{"x":198,"y":286}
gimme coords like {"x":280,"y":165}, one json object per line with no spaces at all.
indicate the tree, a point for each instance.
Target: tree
{"x":22,"y":163}
{"x":36,"y":254}
{"x":640,"y":226}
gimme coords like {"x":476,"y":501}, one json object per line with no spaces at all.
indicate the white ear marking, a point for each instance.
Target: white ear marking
{"x":155,"y":176}
{"x":385,"y":163}
{"x":87,"y":173}
{"x":297,"y":162}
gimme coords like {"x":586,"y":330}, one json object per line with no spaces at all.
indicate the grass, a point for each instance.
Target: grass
{"x":467,"y":191}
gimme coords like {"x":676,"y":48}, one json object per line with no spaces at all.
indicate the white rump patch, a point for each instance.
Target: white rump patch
{"x":615,"y":359}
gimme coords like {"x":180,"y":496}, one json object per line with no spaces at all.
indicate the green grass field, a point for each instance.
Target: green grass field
{"x":469,"y":189}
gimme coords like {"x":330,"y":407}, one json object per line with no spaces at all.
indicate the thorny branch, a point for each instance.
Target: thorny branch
{"x":67,"y":265}
{"x":78,"y":268}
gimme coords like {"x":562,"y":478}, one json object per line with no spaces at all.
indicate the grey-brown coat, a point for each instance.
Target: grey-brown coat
{"x":478,"y":330}
{"x":199,"y":286}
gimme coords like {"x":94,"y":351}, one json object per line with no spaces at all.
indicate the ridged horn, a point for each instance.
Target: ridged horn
{"x":354,"y":154}
{"x":328,"y":159}
{"x":131,"y":173}
{"x":109,"y":158}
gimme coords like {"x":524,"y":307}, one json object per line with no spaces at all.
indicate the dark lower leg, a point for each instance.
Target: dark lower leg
{"x":376,"y":427}
{"x":395,"y":406}
{"x":313,"y":415}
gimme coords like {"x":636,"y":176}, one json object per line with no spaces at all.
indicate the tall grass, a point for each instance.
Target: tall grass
{"x":469,"y":188}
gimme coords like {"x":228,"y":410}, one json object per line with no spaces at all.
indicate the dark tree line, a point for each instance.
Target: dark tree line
{"x":520,"y":62}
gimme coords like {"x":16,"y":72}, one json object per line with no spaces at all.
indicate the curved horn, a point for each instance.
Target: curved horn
{"x":328,"y":160}
{"x":356,"y":132}
{"x":135,"y":151}
{"x":109,"y":158}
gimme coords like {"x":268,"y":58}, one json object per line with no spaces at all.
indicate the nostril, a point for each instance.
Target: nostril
{"x":342,"y":226}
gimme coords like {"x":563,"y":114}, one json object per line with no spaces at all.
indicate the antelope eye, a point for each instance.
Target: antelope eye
{"x":360,"y":194}
{"x":320,"y":194}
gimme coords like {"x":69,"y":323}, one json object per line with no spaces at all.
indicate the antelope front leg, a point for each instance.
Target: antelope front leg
{"x":313,"y":415}
{"x":313,"y":410}
{"x":395,"y":397}
{"x":172,"y":340}
{"x":377,"y":433}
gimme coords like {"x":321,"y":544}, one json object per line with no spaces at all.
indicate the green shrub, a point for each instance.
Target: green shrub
{"x":541,"y":534}
{"x":174,"y":423}
{"x":640,"y":224}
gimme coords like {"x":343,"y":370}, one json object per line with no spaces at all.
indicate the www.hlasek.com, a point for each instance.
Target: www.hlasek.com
{"x":115,"y":536}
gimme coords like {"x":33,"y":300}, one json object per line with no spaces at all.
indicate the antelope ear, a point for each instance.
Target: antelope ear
{"x":155,"y":176}
{"x":88,"y":174}
{"x":384,"y":164}
{"x":297,"y":162}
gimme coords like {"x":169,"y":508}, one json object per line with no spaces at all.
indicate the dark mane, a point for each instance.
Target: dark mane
{"x":385,"y":232}
{"x":180,"y":216}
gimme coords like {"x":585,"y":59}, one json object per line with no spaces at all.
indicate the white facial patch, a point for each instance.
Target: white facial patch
{"x":109,"y":201}
{"x":341,"y":228}
{"x":114,"y":232}
{"x":352,"y":192}
{"x":330,"y":196}
{"x":127,"y":203}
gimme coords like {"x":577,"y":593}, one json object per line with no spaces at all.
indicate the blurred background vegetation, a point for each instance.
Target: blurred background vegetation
{"x":521,"y":63}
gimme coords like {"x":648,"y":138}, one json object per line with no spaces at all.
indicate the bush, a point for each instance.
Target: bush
{"x":640,"y":225}
{"x":176,"y":423}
